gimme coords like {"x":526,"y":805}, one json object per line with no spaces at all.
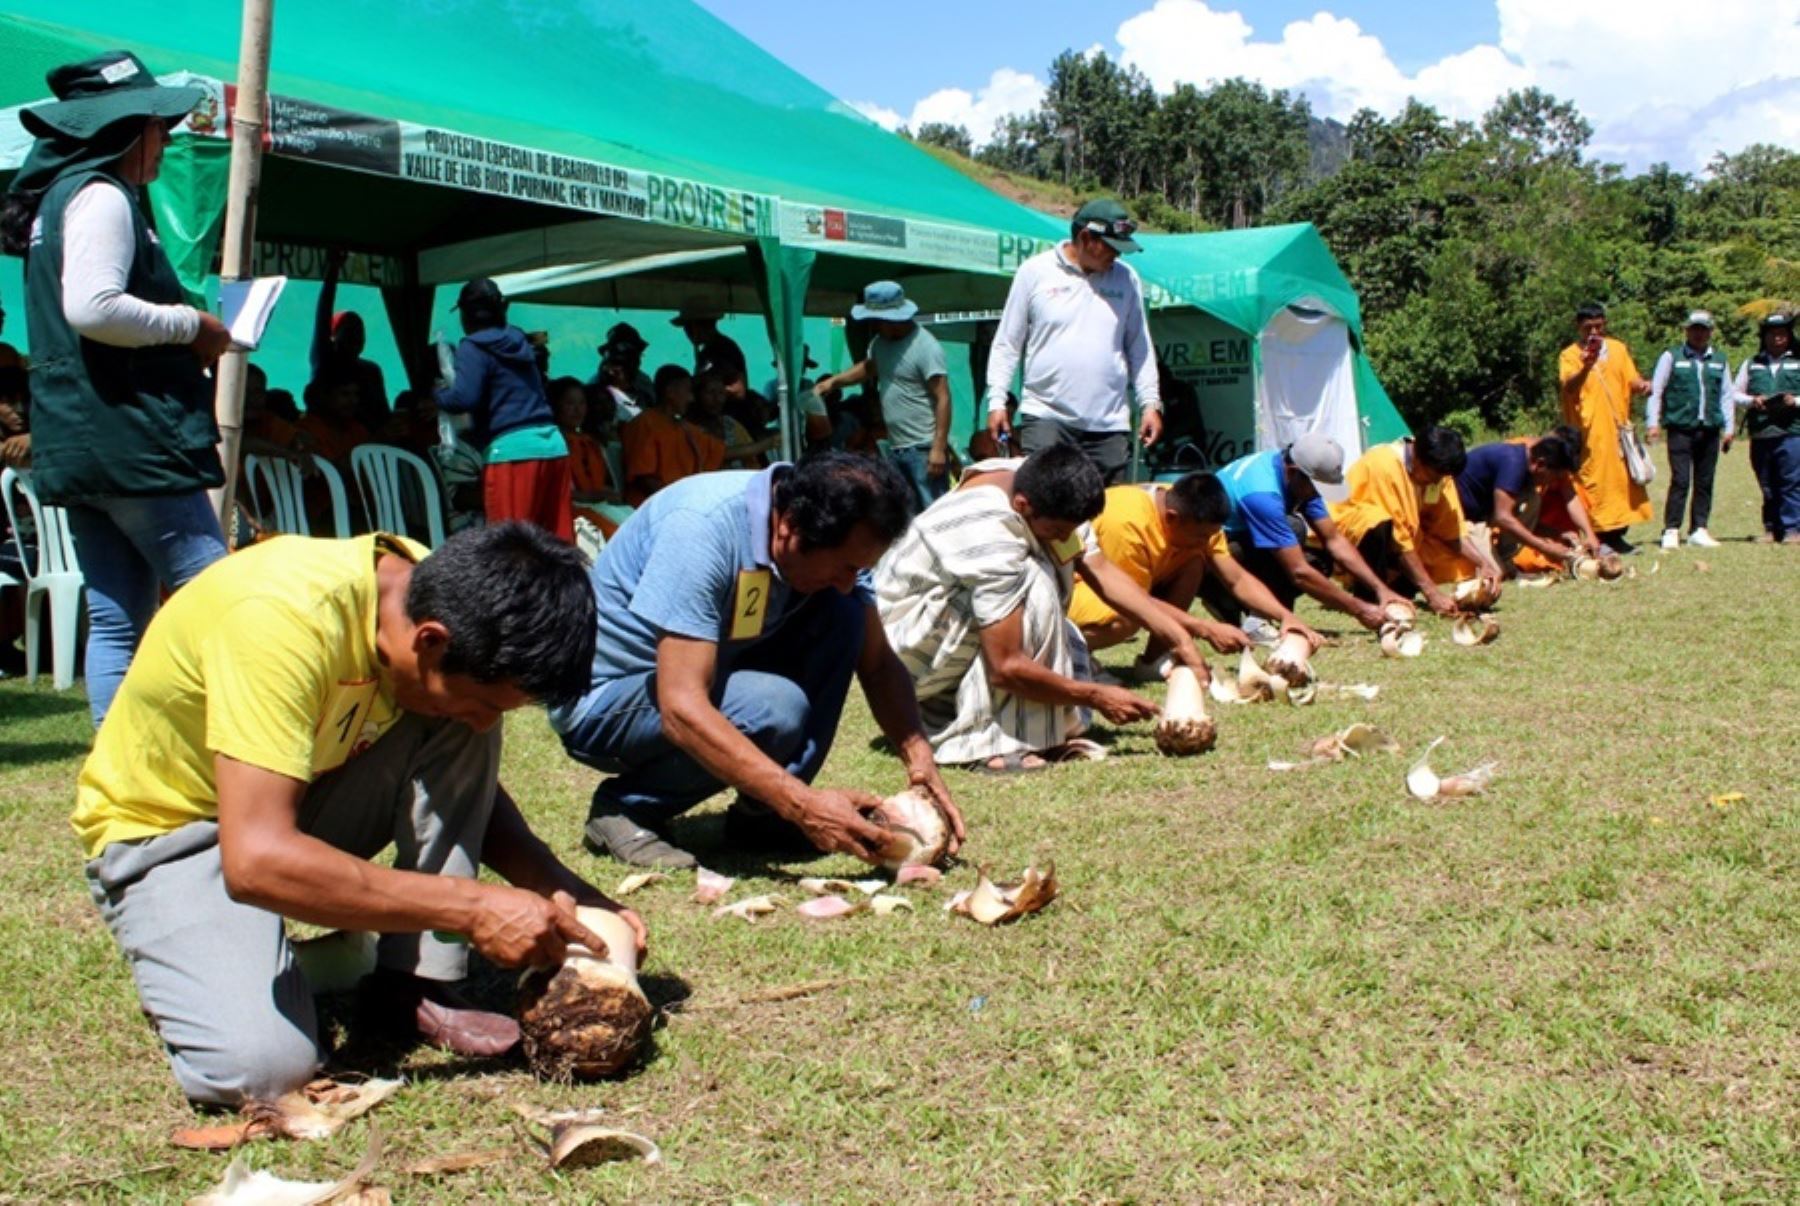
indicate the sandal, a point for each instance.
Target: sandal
{"x":1076,"y":749}
{"x":1010,"y":764}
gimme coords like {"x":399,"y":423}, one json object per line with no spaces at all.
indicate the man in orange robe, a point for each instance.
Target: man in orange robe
{"x":1598,"y":380}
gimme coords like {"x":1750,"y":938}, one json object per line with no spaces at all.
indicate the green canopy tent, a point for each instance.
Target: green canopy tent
{"x":455,"y":137}
{"x":1264,"y":328}
{"x":1267,"y":330}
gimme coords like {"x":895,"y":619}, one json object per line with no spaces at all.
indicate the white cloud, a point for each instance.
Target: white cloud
{"x":1662,"y":79}
{"x":1331,"y":60}
{"x":881,"y":115}
{"x":1007,"y":92}
{"x":1659,"y":79}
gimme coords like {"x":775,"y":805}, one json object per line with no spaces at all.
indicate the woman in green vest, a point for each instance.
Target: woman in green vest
{"x":122,"y":417}
{"x":1768,"y":388}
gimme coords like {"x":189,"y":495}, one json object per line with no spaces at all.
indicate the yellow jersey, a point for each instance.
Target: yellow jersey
{"x":267,"y":657}
{"x":1131,"y":535}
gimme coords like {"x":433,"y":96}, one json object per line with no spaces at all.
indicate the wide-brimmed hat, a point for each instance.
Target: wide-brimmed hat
{"x":623,"y":337}
{"x":99,"y":92}
{"x":696,"y":309}
{"x":884,"y":301}
{"x":1700,"y":318}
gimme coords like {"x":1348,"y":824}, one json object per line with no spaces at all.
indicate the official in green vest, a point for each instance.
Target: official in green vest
{"x":1691,"y":403}
{"x":1768,"y":387}
{"x":122,"y":417}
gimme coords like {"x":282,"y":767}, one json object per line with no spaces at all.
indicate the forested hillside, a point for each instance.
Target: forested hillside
{"x":1470,"y":243}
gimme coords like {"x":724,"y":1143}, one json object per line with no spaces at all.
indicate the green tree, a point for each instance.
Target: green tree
{"x":943,"y":134}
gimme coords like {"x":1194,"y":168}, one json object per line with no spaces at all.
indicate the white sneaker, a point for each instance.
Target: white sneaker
{"x":1671,"y":538}
{"x":1701,"y":538}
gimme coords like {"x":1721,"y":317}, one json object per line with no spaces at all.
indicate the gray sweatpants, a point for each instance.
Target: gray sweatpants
{"x":218,"y":978}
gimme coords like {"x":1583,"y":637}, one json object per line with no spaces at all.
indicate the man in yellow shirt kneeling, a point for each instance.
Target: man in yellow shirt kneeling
{"x":296,"y":709}
{"x":1167,"y":537}
{"x":1406,"y":519}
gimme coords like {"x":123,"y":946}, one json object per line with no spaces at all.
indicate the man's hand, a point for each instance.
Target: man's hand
{"x":1387,"y":596}
{"x":513,"y":927}
{"x":1314,"y":639}
{"x":999,"y":426}
{"x":1121,"y":706}
{"x":1641,"y":388}
{"x":213,"y":340}
{"x":926,"y":775}
{"x":1726,"y":441}
{"x":1652,"y":434}
{"x":937,"y":461}
{"x":594,"y":898}
{"x":1150,"y":427}
{"x":1369,"y":615}
{"x":1226,"y":638}
{"x":1590,"y":352}
{"x":834,"y":820}
{"x":16,"y":450}
{"x":1442,"y":604}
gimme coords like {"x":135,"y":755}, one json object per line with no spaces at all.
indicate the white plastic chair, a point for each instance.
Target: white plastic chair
{"x":589,"y":538}
{"x":385,"y":477}
{"x":285,"y":486}
{"x":55,"y":574}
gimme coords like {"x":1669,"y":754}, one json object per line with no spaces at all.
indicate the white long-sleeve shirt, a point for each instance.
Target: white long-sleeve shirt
{"x":99,"y":247}
{"x":1084,"y":339}
{"x":1659,"y":382}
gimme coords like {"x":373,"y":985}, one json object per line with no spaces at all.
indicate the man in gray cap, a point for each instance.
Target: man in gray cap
{"x":1075,"y":318}
{"x":906,"y":364}
{"x":1691,"y":400}
{"x":1274,"y":499}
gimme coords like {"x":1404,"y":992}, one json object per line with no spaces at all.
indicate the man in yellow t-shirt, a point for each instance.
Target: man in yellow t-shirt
{"x":1406,"y":519}
{"x":1166,"y":537}
{"x":296,"y":709}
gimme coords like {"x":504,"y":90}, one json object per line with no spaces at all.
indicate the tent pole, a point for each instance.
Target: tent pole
{"x":236,"y":259}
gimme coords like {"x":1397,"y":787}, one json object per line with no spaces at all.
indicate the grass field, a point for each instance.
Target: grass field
{"x":1582,"y":986}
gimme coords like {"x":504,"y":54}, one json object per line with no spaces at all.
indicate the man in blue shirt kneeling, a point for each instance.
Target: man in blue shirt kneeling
{"x":733,"y":613}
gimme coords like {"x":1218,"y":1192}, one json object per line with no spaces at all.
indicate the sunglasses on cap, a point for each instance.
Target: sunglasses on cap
{"x":1118,"y":228}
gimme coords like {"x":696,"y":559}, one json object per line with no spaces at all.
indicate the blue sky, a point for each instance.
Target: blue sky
{"x":893,"y":55}
{"x":1633,"y":67}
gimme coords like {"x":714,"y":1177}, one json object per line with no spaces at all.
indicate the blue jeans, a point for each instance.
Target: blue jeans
{"x":785,"y":694}
{"x":911,"y":463}
{"x":128,"y":549}
{"x":1776,"y":461}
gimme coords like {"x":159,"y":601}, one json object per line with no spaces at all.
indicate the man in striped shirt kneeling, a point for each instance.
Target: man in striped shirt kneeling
{"x":974,"y":598}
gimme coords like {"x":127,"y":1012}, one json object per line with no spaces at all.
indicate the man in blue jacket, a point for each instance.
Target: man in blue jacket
{"x":499,"y":386}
